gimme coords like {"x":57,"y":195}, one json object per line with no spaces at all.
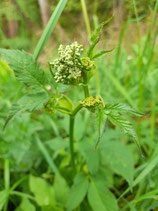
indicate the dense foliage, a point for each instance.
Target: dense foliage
{"x":62,"y":124}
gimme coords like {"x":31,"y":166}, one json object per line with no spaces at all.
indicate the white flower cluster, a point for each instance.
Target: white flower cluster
{"x":68,"y":64}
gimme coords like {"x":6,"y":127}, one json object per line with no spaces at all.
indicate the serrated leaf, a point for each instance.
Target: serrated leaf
{"x":43,"y":192}
{"x":77,"y":191}
{"x":25,"y":68}
{"x":119,"y":158}
{"x":100,"y":198}
{"x":95,"y":38}
{"x":97,"y":31}
{"x":61,"y":189}
{"x":120,"y":107}
{"x":29,"y":103}
{"x":101,"y":53}
{"x":125,"y":125}
{"x":91,"y":48}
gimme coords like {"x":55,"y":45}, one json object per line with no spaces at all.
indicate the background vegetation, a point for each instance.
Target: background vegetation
{"x":128,"y":74}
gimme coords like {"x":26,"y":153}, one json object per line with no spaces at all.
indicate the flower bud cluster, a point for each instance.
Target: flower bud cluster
{"x":86,"y":63}
{"x":92,"y":103}
{"x":68,"y":65}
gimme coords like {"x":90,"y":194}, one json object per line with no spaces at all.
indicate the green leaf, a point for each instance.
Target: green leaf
{"x":101,"y":53}
{"x":100,"y":119}
{"x":61,"y":189}
{"x":91,"y":48}
{"x":77,"y":191}
{"x":26,"y":205}
{"x":95,"y":38}
{"x":119,"y":107}
{"x":125,"y":125}
{"x":44,"y":193}
{"x":99,"y":197}
{"x":25,"y":68}
{"x":28,"y":103}
{"x":49,"y":28}
{"x":97,"y":31}
{"x":91,"y":156}
{"x":119,"y":158}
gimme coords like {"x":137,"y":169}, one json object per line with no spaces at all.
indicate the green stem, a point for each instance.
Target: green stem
{"x":71,"y":141}
{"x":85,"y":86}
{"x":77,"y":109}
{"x":86,"y":19}
{"x":6,"y":181}
{"x":22,"y":195}
{"x":6,"y":175}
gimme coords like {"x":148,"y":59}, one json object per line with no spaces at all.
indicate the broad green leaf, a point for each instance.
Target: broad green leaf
{"x":101,"y":53}
{"x":100,"y":198}
{"x":120,"y":107}
{"x":77,"y":191}
{"x":61,"y":189}
{"x":57,"y":143}
{"x":49,"y":28}
{"x":26,"y":205}
{"x":119,"y":158}
{"x":25,"y":68}
{"x":43,"y":192}
{"x":27,"y":103}
{"x":92,"y":156}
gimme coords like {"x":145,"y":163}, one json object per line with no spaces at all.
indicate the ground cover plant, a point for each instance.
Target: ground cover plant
{"x":62,"y":146}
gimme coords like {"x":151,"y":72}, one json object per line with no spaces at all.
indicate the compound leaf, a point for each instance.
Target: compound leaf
{"x":25,"y":68}
{"x":120,"y":107}
{"x":26,"y":103}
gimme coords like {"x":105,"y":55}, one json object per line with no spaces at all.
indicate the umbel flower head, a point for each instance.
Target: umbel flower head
{"x":92,"y":103}
{"x":68,"y":65}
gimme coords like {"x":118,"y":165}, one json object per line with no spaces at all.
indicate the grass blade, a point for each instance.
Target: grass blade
{"x":143,"y":174}
{"x":49,"y":28}
{"x":46,"y":155}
